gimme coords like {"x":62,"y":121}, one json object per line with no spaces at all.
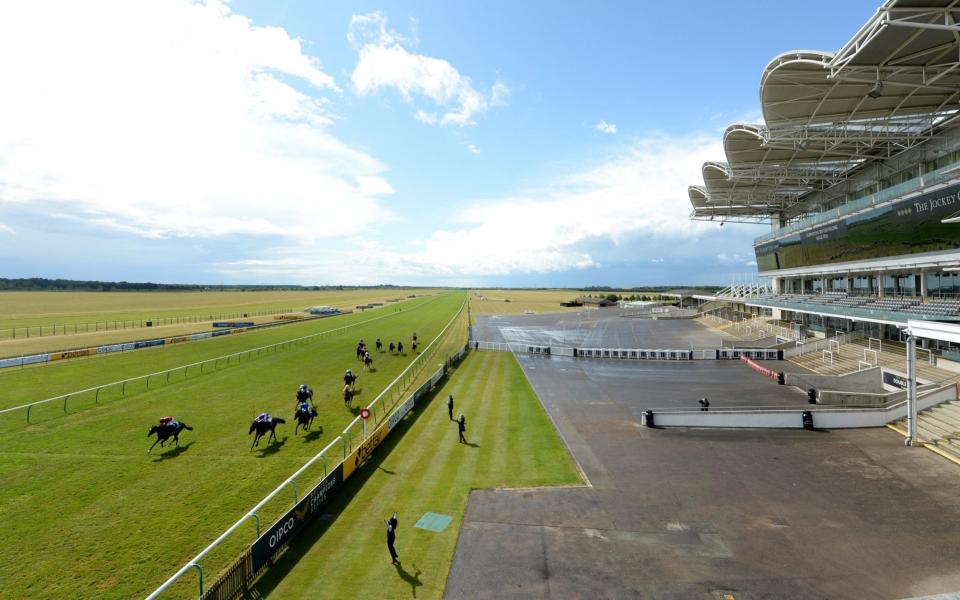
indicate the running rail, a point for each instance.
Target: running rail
{"x":227,"y":357}
{"x":194,"y":563}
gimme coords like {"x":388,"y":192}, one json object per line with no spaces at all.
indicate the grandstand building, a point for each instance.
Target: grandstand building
{"x":856,"y":167}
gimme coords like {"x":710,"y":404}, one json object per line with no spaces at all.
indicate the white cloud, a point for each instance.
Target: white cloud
{"x":604,"y":127}
{"x":172,"y":119}
{"x":473,"y":149}
{"x":639,"y":193}
{"x":385,"y":62}
{"x":7,"y":229}
{"x":656,"y":260}
{"x":735,"y":259}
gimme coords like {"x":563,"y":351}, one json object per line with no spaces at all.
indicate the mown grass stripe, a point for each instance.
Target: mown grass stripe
{"x":425,"y":469}
{"x":73,"y":503}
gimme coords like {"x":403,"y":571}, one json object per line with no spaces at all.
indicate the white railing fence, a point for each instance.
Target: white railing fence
{"x":340,"y":447}
{"x":183,"y":371}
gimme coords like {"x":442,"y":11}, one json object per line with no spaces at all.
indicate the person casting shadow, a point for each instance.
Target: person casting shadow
{"x":413,"y":580}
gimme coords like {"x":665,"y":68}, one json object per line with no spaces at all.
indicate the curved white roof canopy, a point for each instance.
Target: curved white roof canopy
{"x":896,"y":84}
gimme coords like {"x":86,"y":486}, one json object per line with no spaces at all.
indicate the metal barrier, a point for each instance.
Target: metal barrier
{"x":753,"y":353}
{"x":634,"y":353}
{"x":343,"y":442}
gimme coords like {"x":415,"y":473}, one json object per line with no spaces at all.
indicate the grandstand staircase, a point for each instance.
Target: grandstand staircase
{"x":938,"y":427}
{"x":893,"y":355}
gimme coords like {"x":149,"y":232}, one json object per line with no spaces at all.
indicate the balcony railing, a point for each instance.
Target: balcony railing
{"x":919,"y":184}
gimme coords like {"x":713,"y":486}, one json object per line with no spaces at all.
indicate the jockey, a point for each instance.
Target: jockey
{"x":263,"y":418}
{"x":304,"y":408}
{"x":304,"y":393}
{"x":168,"y":422}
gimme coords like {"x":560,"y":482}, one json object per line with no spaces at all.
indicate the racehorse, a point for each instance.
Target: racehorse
{"x":165,"y":431}
{"x":392,"y":347}
{"x":414,"y":345}
{"x":379,"y":345}
{"x":304,"y":419}
{"x":347,"y":395}
{"x":262,"y":427}
{"x":350,"y":379}
{"x":368,"y":361}
{"x":400,"y":347}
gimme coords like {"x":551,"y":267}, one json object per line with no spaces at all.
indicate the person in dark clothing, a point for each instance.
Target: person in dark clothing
{"x":391,"y":524}
{"x":704,"y":404}
{"x":450,"y":406}
{"x":462,"y":426}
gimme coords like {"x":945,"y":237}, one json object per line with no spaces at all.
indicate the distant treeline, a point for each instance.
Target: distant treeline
{"x":42,"y":284}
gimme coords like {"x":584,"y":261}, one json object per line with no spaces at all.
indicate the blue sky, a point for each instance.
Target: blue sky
{"x":485,"y":143}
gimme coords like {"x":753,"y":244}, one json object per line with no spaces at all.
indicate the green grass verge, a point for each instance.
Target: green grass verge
{"x":421,"y":468}
{"x":37,"y":382}
{"x":88,"y":514}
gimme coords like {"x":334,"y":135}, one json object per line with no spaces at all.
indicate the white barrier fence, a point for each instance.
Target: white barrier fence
{"x":208,"y":365}
{"x":342,"y":446}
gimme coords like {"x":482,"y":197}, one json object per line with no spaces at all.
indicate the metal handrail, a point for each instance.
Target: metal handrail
{"x":194,"y":563}
{"x":227,"y":357}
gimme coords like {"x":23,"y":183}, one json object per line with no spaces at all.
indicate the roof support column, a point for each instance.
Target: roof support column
{"x":923,"y":285}
{"x":912,"y":392}
{"x":879,"y":277}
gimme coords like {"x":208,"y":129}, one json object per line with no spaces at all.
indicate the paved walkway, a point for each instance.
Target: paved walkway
{"x":711,"y":514}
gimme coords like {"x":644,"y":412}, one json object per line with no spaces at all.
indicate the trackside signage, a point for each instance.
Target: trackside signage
{"x":296,"y":518}
{"x":363,"y":452}
{"x":401,"y":412}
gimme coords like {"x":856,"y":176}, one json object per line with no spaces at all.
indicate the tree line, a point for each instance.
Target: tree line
{"x":44,"y":284}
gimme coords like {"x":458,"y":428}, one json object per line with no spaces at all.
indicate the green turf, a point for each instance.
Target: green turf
{"x":26,"y":308}
{"x":87,"y":513}
{"x":511,"y":444}
{"x":37,"y":382}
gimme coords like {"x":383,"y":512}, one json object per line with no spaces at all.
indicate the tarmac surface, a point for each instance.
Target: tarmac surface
{"x":604,"y":328}
{"x":708,"y":514}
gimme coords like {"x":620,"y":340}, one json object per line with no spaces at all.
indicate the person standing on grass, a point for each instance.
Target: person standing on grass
{"x":450,"y":406}
{"x":391,"y":524}
{"x":462,"y":426}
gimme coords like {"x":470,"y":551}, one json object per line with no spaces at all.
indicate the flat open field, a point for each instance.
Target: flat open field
{"x":494,"y":302}
{"x":88,"y":513}
{"x":114,"y":332}
{"x":37,"y":382}
{"x":511,"y":443}
{"x":21,"y":309}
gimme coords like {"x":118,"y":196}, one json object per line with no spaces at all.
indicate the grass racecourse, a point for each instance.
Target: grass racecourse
{"x":512,"y":443}
{"x":32,"y":322}
{"x":87,"y":513}
{"x":46,"y":308}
